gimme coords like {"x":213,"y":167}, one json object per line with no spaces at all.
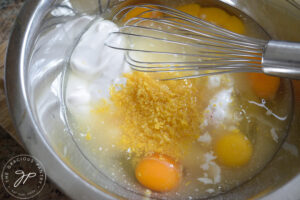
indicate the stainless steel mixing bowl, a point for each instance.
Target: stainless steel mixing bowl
{"x":34,"y":100}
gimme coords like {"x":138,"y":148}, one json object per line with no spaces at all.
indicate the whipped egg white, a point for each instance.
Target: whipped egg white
{"x":94,"y":67}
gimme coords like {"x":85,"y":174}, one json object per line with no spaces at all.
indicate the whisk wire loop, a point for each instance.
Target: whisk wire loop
{"x":175,"y":41}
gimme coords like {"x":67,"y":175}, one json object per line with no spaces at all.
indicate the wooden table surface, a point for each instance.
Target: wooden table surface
{"x":8,"y":12}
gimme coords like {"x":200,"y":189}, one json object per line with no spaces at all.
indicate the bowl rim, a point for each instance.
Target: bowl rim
{"x":17,"y":58}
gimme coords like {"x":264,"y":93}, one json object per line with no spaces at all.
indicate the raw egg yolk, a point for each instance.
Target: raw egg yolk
{"x":191,"y":9}
{"x":142,"y":12}
{"x":215,"y":16}
{"x":158,"y":172}
{"x":233,"y":149}
{"x":221,"y":18}
{"x":235,"y":25}
{"x":264,"y":86}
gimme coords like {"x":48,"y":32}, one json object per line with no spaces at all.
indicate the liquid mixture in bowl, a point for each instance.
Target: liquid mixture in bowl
{"x":183,"y":139}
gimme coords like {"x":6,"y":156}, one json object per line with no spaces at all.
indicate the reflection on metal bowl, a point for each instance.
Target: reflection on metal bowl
{"x":36,"y":109}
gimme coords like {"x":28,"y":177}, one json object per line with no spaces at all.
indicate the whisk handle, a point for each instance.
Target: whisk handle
{"x":282,"y":59}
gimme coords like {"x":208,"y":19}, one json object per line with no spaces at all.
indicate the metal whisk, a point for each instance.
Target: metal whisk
{"x":165,"y":40}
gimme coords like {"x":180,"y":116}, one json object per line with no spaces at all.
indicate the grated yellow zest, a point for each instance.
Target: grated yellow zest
{"x":157,"y":116}
{"x":88,"y":136}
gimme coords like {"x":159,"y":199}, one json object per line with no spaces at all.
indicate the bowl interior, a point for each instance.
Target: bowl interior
{"x":44,"y":73}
